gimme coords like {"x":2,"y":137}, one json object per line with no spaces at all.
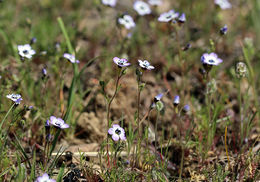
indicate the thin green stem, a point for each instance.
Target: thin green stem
{"x":182,"y":159}
{"x":108,"y":112}
{"x":156,"y":128}
{"x":2,"y":122}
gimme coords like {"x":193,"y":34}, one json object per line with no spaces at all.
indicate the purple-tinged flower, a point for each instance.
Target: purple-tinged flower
{"x":117,"y":132}
{"x":121,"y":62}
{"x":210,"y":59}
{"x":223,"y":30}
{"x":30,"y":107}
{"x":186,"y":108}
{"x":44,"y":72}
{"x":47,"y":124}
{"x":70,"y":57}
{"x":58,"y":122}
{"x":168,"y":16}
{"x":223,"y":4}
{"x":33,"y":40}
{"x":25,"y":51}
{"x":17,"y":98}
{"x":127,"y":21}
{"x":176,"y":100}
{"x":111,"y":3}
{"x":142,"y":8}
{"x":155,"y":2}
{"x":44,"y":178}
{"x":182,"y":18}
{"x":158,"y":97}
{"x":145,"y":65}
{"x":187,"y":47}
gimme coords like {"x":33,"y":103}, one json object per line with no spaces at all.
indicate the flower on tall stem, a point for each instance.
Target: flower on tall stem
{"x":117,"y":132}
{"x":155,"y":2}
{"x":25,"y":51}
{"x":186,"y":108}
{"x":70,"y":57}
{"x":168,"y":16}
{"x":111,"y":3}
{"x":142,"y":8}
{"x":145,"y":65}
{"x":158,"y":97}
{"x":17,"y":98}
{"x":127,"y":21}
{"x":209,"y":60}
{"x":58,"y":122}
{"x":44,"y":178}
{"x":182,"y":18}
{"x":223,"y":4}
{"x":176,"y":100}
{"x":121,"y":62}
{"x":223,"y":30}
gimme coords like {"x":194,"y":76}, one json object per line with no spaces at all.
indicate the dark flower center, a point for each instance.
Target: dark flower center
{"x":25,"y":51}
{"x":118,"y":132}
{"x":57,"y":124}
{"x":211,"y":61}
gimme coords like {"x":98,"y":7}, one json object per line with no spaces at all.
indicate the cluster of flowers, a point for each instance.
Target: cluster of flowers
{"x":223,"y":4}
{"x":143,"y":8}
{"x":26,"y":51}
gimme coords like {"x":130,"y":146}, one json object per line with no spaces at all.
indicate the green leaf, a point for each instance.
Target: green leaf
{"x":59,"y":178}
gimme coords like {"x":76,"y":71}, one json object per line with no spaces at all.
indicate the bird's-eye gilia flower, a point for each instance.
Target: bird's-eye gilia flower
{"x":142,"y":8}
{"x":127,"y":21}
{"x":186,"y":108}
{"x":117,"y":132}
{"x":210,"y":59}
{"x":223,"y":4}
{"x":25,"y":51}
{"x":145,"y":65}
{"x":58,"y":122}
{"x":121,"y":62}
{"x":17,"y":98}
{"x":44,"y":178}
{"x":158,"y":97}
{"x":223,"y":30}
{"x":155,"y":2}
{"x":70,"y":57}
{"x":241,"y":70}
{"x":176,"y":100}
{"x":182,"y":18}
{"x":168,"y":16}
{"x":111,"y":3}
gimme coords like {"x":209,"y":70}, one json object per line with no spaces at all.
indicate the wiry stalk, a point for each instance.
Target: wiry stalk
{"x":108,"y":112}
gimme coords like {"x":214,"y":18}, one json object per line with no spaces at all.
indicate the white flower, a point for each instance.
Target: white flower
{"x":70,"y":57}
{"x":155,"y":2}
{"x":168,"y":16}
{"x":145,"y":65}
{"x":121,"y":62}
{"x":158,"y":97}
{"x":58,"y":122}
{"x":182,"y":18}
{"x":17,"y":98}
{"x":111,"y":3}
{"x":223,"y":4}
{"x":127,"y":21}
{"x":142,"y":8}
{"x":210,"y":59}
{"x":176,"y":100}
{"x":117,"y":132}
{"x":44,"y":178}
{"x":25,"y":51}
